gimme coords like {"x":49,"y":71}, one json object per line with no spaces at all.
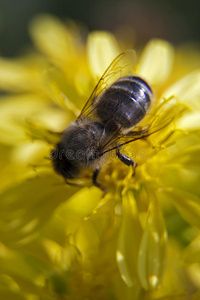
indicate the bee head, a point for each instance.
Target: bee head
{"x":63,"y":164}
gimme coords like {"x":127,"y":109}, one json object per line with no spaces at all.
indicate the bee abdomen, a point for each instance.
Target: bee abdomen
{"x":125,"y":102}
{"x":137,"y":89}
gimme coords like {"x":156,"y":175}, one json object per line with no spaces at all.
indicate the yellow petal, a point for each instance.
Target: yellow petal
{"x":86,"y":240}
{"x":15,"y":76}
{"x":156,"y":61}
{"x":152,"y":256}
{"x":35,"y":132}
{"x":129,"y":240}
{"x":187,"y":89}
{"x":102,"y":49}
{"x":190,"y":121}
{"x":190,"y":156}
{"x":196,"y":295}
{"x":84,"y":201}
{"x":13,"y":111}
{"x":52,"y":38}
{"x":187,"y":204}
{"x":191,"y":254}
{"x":27,"y":210}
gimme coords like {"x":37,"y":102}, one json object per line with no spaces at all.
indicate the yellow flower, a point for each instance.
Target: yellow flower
{"x":141,"y":240}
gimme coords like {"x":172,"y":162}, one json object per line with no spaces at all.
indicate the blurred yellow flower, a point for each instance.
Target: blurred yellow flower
{"x":141,"y":240}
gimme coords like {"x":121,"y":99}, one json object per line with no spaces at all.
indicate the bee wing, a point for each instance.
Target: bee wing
{"x":138,"y":133}
{"x":165,"y":113}
{"x":122,"y":65}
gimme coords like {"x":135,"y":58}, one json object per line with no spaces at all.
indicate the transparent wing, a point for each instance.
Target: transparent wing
{"x":116,"y":140}
{"x":122,"y":65}
{"x":162,"y":118}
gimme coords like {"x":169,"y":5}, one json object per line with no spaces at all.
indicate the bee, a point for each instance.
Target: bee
{"x":118,"y":103}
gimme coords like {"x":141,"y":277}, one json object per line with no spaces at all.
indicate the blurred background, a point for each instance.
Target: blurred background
{"x":133,"y":20}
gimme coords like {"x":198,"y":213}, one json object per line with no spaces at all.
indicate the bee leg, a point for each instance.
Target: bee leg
{"x":96,"y":183}
{"x":94,"y":178}
{"x":135,"y":133}
{"x":126,"y":160}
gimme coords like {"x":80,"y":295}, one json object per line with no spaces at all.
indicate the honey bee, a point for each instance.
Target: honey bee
{"x":118,"y":103}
